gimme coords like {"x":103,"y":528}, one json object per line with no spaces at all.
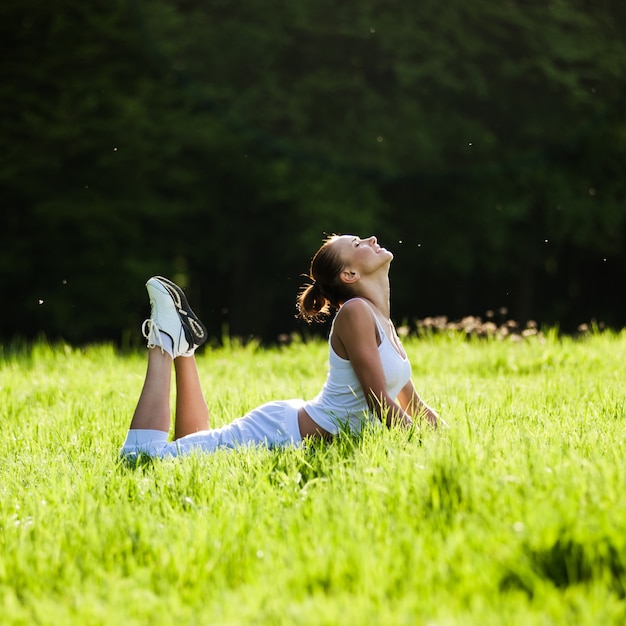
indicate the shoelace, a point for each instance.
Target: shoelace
{"x":152,"y":333}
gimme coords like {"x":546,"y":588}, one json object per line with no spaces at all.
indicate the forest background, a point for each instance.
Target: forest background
{"x":217,"y":143}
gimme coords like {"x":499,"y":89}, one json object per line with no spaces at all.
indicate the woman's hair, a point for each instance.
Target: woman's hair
{"x":316,"y":300}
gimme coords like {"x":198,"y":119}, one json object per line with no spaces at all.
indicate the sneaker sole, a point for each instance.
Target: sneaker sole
{"x":194,"y":329}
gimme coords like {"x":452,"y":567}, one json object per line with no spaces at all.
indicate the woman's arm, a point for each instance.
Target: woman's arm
{"x":355,"y":336}
{"x":410,"y":401}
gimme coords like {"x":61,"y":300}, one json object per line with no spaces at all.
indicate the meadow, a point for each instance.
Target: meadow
{"x":515,"y":514}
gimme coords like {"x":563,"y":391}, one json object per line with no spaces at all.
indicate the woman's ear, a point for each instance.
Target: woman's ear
{"x":348,"y":276}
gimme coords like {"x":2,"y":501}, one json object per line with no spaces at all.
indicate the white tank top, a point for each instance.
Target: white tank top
{"x":341,"y":403}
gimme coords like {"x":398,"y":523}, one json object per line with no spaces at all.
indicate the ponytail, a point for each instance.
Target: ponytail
{"x":326,"y":292}
{"x":312,"y":305}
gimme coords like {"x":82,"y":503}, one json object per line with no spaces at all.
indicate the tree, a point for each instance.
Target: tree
{"x":217,"y":142}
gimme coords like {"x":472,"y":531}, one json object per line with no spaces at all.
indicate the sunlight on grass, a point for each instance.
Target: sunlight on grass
{"x":513,"y":515}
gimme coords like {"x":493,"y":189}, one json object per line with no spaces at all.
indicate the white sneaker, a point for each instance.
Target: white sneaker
{"x":171,"y":314}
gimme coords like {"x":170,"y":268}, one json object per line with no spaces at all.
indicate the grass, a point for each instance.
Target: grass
{"x":515,"y":515}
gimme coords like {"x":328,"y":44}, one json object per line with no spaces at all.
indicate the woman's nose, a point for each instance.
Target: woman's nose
{"x":373,"y":239}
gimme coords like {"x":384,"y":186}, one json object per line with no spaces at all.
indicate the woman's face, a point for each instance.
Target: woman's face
{"x":362,"y":255}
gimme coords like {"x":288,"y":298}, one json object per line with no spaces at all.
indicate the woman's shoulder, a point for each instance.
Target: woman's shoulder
{"x":354,"y":323}
{"x":355,"y":306}
{"x":355,"y":311}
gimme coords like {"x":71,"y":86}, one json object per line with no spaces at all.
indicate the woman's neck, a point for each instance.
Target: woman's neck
{"x":377,"y":294}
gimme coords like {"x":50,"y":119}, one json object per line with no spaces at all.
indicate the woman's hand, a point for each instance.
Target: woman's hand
{"x":431,"y":416}
{"x":411,"y":402}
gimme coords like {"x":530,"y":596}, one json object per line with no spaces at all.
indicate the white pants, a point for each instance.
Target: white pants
{"x":274,"y":424}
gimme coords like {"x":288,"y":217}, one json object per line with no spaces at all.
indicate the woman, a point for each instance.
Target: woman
{"x":369,"y":376}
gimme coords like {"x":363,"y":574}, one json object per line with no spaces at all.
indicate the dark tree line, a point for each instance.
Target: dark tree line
{"x":216,"y":142}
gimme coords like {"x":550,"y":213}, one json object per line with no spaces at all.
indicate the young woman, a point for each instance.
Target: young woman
{"x":369,"y":378}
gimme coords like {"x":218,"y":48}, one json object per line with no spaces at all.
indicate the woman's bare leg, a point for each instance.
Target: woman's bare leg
{"x":153,"y":407}
{"x":173,"y":330}
{"x":192,"y":413}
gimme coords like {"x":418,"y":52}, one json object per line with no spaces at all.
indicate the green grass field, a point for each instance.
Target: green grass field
{"x":514,"y":515}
